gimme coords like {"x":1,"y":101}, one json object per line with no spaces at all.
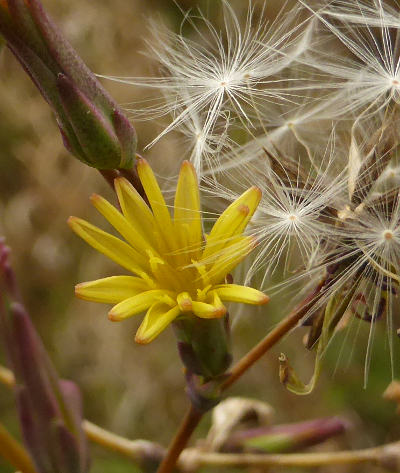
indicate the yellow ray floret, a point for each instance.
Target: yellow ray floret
{"x":176,"y":274}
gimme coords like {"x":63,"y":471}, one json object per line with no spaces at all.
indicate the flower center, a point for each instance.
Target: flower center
{"x":388,"y":235}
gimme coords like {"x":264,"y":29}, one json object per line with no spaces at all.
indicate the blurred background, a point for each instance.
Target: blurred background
{"x":133,"y":390}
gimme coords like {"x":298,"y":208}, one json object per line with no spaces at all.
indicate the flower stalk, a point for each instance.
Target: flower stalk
{"x":273,"y":337}
{"x":238,"y":370}
{"x":179,"y":442}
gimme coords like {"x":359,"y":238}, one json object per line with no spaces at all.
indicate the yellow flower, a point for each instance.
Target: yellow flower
{"x":175,"y":272}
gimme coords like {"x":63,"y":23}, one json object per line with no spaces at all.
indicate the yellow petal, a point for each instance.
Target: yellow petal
{"x":110,"y":246}
{"x":158,"y":317}
{"x":229,"y":257}
{"x":111,"y":290}
{"x":135,"y":305}
{"x":244,"y":294}
{"x":232,"y":221}
{"x":187,"y":217}
{"x":208,"y":311}
{"x":156,"y":200}
{"x":121,"y":224}
{"x":135,"y":208}
{"x":184,"y":302}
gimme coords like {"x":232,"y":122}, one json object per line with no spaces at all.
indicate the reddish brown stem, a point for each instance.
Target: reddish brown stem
{"x":189,"y":423}
{"x":133,"y":178}
{"x":262,"y":347}
{"x":274,"y":336}
{"x":109,"y":175}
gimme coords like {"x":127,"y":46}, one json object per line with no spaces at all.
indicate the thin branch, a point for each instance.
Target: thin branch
{"x":273,"y":337}
{"x":262,"y":347}
{"x":386,"y":454}
{"x":133,"y":178}
{"x":189,"y":423}
{"x":137,"y":450}
{"x":109,"y":175}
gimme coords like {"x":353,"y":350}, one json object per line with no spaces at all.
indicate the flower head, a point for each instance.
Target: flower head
{"x":175,"y":272}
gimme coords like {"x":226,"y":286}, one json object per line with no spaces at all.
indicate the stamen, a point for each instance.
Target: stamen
{"x":202,"y":270}
{"x":202,"y":293}
{"x":154,"y":261}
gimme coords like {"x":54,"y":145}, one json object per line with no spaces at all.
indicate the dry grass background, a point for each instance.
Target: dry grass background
{"x":136,"y":391}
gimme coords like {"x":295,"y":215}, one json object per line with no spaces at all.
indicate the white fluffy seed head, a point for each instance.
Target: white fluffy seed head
{"x":296,"y":214}
{"x":317,"y":223}
{"x":367,"y":76}
{"x":225,"y":74}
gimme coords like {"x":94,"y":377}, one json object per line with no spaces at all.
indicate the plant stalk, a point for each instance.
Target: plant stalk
{"x":188,"y":425}
{"x":190,"y":420}
{"x":273,"y":337}
{"x":377,"y":455}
